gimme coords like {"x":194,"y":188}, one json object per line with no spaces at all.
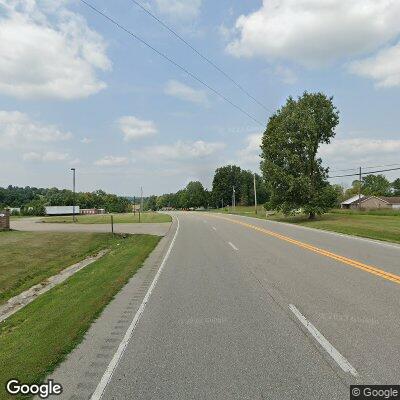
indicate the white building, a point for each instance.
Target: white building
{"x":61,"y":210}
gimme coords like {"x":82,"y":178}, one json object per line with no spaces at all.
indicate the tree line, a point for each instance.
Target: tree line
{"x":228,"y":181}
{"x":33,"y":201}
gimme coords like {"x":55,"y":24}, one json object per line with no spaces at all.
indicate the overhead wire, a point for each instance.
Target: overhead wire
{"x":170,"y":60}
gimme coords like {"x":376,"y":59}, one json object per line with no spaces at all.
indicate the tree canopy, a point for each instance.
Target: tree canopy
{"x":292,"y":170}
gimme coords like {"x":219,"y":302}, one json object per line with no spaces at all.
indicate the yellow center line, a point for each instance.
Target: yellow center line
{"x":349,"y":261}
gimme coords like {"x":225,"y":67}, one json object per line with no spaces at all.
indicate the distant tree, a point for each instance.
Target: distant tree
{"x":151,"y":204}
{"x":225,"y":179}
{"x":291,"y":168}
{"x":353,"y":190}
{"x":339,"y":194}
{"x":196,"y":196}
{"x":396,"y":187}
{"x":376,"y":185}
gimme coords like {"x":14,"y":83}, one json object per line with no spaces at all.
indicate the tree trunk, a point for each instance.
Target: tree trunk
{"x":312,"y":215}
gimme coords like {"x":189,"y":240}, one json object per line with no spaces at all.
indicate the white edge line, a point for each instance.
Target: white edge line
{"x":98,"y":393}
{"x":319,"y":337}
{"x":233,"y":246}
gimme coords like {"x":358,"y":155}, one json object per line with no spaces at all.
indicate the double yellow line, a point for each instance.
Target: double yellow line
{"x":349,"y":261}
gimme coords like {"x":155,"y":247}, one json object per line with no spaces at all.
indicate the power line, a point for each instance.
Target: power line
{"x":219,"y":69}
{"x":171,"y":61}
{"x":365,"y":173}
{"x":374,"y":166}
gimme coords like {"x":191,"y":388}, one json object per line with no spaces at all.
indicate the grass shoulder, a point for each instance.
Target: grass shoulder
{"x":37,"y":338}
{"x":374,"y":224}
{"x":28,"y":258}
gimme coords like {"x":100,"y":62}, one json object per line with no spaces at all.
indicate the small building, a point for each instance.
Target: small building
{"x":371,"y":202}
{"x":62,"y":210}
{"x":92,"y":211}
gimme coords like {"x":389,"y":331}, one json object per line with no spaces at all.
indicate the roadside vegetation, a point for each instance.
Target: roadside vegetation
{"x":28,"y":258}
{"x":37,"y":338}
{"x":127,"y":218}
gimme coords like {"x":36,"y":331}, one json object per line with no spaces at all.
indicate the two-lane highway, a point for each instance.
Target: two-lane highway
{"x":238,"y":313}
{"x":248,"y":309}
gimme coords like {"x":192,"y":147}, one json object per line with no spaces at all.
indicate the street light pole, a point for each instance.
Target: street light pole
{"x":73,"y":191}
{"x":255,"y":193}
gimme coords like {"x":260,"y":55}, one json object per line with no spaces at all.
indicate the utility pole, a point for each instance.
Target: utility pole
{"x":134,"y":206}
{"x":255,"y":194}
{"x":141,"y":198}
{"x":234,"y":199}
{"x":359,"y":190}
{"x":222,"y":204}
{"x":73,"y":192}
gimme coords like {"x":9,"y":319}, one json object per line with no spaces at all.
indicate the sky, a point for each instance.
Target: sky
{"x":76,"y":91}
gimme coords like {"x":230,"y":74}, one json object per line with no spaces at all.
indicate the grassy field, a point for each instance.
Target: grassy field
{"x":38,"y":337}
{"x":146,"y":217}
{"x":28,"y":258}
{"x":374,"y":224}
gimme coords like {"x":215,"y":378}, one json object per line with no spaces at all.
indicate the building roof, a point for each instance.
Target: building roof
{"x":352,"y":200}
{"x":391,"y":200}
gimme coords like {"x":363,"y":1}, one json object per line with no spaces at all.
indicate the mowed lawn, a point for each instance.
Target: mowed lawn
{"x":374,"y":224}
{"x":128,"y":218}
{"x":28,"y":258}
{"x":37,"y":338}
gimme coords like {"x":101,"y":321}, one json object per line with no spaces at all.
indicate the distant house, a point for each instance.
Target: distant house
{"x":61,"y":210}
{"x":371,"y":202}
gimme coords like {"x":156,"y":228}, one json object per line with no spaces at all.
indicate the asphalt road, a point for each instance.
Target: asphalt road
{"x":250,"y":309}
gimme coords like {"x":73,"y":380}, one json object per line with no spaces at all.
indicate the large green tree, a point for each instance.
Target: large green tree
{"x":290,"y":164}
{"x":376,"y":185}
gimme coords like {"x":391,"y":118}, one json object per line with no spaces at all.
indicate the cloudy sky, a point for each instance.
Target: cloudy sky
{"x":75,"y":91}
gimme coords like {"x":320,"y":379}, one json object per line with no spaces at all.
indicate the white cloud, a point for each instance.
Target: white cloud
{"x":179,"y":9}
{"x":111,"y":161}
{"x":250,"y":154}
{"x":285,"y":74}
{"x":384,"y":67}
{"x":86,"y":140}
{"x":185,"y":92}
{"x":135,"y":128}
{"x":17,"y":129}
{"x":361,"y":151}
{"x":47,"y":51}
{"x":181,"y":151}
{"x":316,"y":32}
{"x":49,"y":156}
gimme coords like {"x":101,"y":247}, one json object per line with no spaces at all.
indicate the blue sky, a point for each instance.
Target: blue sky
{"x":76,"y":91}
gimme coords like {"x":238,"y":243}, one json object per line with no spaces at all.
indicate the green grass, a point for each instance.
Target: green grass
{"x":28,"y":258}
{"x":37,"y":338}
{"x":146,"y":217}
{"x":373,"y":224}
{"x":379,"y":227}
